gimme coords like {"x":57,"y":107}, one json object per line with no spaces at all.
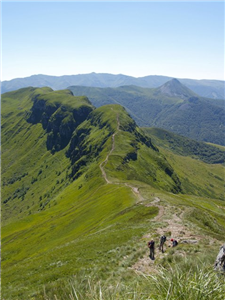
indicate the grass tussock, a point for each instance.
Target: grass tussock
{"x":197,"y":283}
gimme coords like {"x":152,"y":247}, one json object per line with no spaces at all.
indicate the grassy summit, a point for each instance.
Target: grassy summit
{"x":83,"y":189}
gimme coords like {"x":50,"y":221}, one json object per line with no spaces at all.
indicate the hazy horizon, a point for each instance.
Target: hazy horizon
{"x":52,"y":75}
{"x":175,"y":39}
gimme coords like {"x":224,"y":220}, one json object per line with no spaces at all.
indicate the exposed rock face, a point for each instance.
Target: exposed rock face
{"x":220,"y":260}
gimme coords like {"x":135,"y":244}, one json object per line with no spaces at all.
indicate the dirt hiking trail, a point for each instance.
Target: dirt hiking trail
{"x":173,"y":228}
{"x":171,"y":223}
{"x":110,"y":152}
{"x":134,"y":189}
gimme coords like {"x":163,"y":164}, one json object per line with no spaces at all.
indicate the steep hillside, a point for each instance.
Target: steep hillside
{"x":172,"y":107}
{"x":206,"y":88}
{"x":33,"y":122}
{"x":45,"y":122}
{"x":83,"y":189}
{"x":211,"y":154}
{"x":187,"y":156}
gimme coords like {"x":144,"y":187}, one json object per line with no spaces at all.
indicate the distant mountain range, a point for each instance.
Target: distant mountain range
{"x":206,"y":88}
{"x":172,"y":106}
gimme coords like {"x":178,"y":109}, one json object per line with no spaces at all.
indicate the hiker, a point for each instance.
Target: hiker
{"x":174,"y":242}
{"x":162,"y":241}
{"x":220,"y":260}
{"x":151,"y":246}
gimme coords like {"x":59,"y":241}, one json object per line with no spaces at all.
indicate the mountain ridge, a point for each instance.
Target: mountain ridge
{"x":206,"y":88}
{"x":81,"y":144}
{"x":172,"y":106}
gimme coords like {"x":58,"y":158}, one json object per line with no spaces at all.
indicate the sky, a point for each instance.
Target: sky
{"x":176,"y":39}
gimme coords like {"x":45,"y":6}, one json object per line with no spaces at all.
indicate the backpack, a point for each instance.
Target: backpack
{"x":163,"y":239}
{"x":175,"y":243}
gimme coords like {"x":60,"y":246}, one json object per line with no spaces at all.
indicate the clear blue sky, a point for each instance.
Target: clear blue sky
{"x":177,"y":39}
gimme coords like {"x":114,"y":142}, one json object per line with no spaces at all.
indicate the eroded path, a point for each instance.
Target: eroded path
{"x":134,"y":189}
{"x":171,"y":225}
{"x":156,"y":202}
{"x":112,"y":149}
{"x":169,"y":222}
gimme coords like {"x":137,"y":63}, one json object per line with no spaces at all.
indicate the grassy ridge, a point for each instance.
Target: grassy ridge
{"x":61,"y":218}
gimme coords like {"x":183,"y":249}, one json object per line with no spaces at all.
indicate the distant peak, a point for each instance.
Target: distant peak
{"x":174,"y":80}
{"x":173,"y":88}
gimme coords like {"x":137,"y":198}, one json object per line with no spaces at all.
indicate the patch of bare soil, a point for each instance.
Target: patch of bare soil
{"x":174,"y":228}
{"x":160,"y":207}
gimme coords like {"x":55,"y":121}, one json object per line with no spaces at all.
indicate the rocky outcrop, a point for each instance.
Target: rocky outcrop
{"x":220,"y":260}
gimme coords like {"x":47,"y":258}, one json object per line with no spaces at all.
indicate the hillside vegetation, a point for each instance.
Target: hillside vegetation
{"x":207,"y":153}
{"x":84,"y":189}
{"x":172,"y":107}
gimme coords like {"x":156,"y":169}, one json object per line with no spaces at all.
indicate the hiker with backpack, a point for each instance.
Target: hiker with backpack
{"x":174,"y":242}
{"x":161,"y":243}
{"x":151,"y":246}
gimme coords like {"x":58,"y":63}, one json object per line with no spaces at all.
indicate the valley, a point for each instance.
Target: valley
{"x":172,"y":107}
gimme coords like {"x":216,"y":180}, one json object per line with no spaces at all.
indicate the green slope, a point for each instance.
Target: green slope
{"x":212,"y":154}
{"x":81,"y":203}
{"x":186,"y":156}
